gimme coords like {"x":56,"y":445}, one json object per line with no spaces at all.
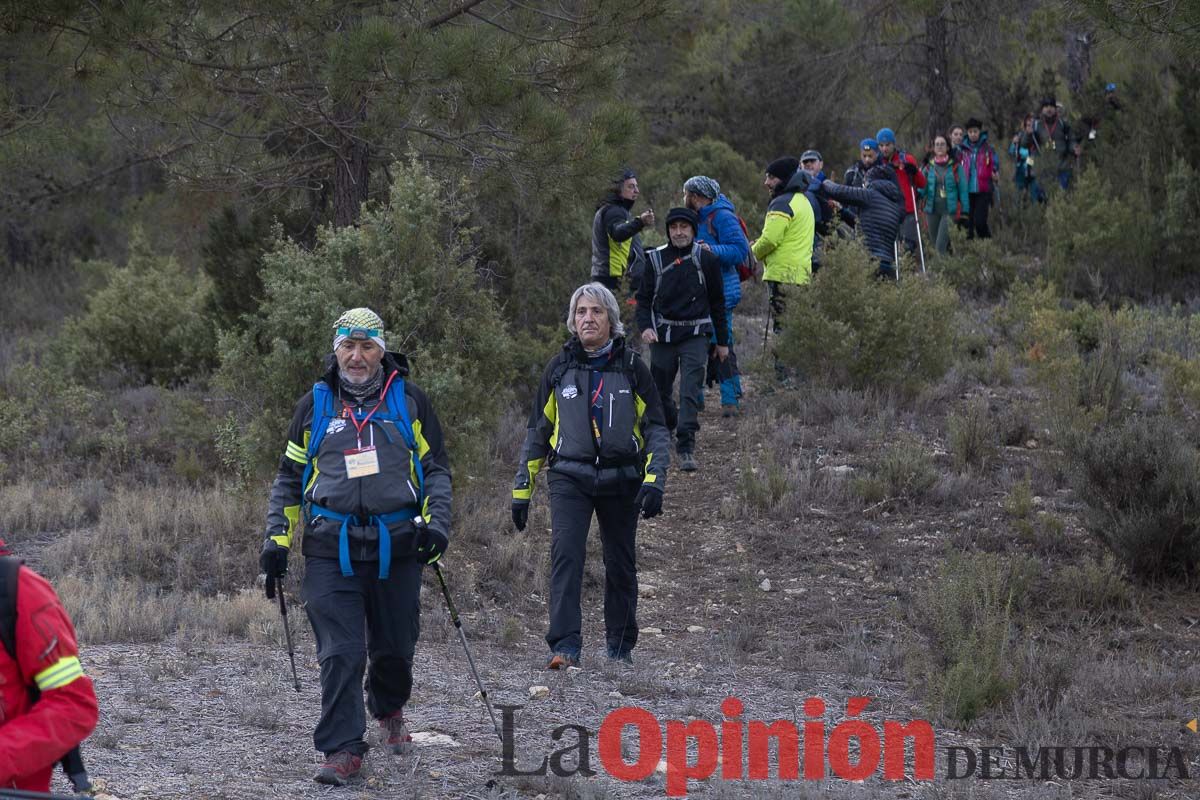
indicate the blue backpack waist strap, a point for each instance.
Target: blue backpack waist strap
{"x":382,"y":521}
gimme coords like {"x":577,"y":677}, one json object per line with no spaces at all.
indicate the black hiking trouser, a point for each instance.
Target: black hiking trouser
{"x":571,"y":508}
{"x":362,"y":624}
{"x":981,"y":204}
{"x":689,"y":358}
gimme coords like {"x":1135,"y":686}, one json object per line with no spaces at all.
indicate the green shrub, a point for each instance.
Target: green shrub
{"x":1100,"y":243}
{"x":1095,"y":585}
{"x":1140,"y":480}
{"x":972,"y":435}
{"x":980,"y":268}
{"x":409,"y":260}
{"x":902,"y":471}
{"x":147,"y":323}
{"x":849,"y":329}
{"x":969,"y":614}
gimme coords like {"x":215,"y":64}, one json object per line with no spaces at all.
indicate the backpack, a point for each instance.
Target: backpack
{"x":10,"y":566}
{"x":397,"y":413}
{"x":750,"y":269}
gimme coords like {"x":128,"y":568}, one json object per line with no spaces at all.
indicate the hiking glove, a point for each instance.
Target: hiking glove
{"x":910,"y":168}
{"x":650,"y":499}
{"x":430,"y":543}
{"x":520,"y":513}
{"x":273,"y":562}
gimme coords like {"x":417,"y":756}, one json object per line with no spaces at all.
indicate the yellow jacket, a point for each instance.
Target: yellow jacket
{"x":786,"y":244}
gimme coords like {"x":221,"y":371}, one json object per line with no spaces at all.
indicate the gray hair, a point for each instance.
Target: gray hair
{"x":597,"y":291}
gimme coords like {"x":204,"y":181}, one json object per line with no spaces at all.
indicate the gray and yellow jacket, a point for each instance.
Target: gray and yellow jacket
{"x":615,"y":241}
{"x":388,"y":495}
{"x":633,"y":441}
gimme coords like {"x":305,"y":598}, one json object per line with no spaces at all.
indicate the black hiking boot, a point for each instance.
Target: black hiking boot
{"x":687,"y":461}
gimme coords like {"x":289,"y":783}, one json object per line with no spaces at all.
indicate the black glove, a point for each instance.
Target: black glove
{"x":520,"y":513}
{"x":910,"y":168}
{"x":430,"y":543}
{"x":273,"y":562}
{"x":650,"y":499}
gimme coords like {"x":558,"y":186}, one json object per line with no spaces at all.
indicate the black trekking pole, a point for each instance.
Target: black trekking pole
{"x":275,"y":586}
{"x":23,"y":794}
{"x":437,"y":568}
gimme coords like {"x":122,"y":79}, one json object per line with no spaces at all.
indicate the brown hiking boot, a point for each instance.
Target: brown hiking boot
{"x":339,"y":769}
{"x":396,"y":737}
{"x":562,"y":661}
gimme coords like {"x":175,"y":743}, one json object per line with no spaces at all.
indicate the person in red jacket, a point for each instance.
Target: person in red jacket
{"x":35,"y":734}
{"x":910,"y":180}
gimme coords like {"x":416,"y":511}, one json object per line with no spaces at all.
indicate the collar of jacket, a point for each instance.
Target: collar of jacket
{"x":392,"y":362}
{"x":615,"y":199}
{"x":797,"y":183}
{"x":575,"y":352}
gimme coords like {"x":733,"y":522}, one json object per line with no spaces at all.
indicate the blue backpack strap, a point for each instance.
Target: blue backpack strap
{"x":398,"y":407}
{"x":322,"y":413}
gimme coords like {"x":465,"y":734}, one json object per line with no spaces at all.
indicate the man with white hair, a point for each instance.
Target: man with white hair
{"x":365,"y":467}
{"x":597,"y":433}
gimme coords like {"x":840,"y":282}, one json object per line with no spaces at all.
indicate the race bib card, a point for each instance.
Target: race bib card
{"x":361,"y":462}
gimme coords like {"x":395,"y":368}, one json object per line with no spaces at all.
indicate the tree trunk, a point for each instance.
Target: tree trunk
{"x":1079,"y":60}
{"x":937,"y":78}
{"x":352,"y":167}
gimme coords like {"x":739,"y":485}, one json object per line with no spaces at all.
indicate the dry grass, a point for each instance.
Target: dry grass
{"x":29,"y":507}
{"x":189,"y":540}
{"x":121,"y":610}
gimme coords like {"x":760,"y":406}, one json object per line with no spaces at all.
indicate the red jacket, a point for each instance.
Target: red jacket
{"x":34,"y":736}
{"x":906,"y":188}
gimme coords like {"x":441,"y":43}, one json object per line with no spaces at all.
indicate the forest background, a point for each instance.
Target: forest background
{"x":193,"y":190}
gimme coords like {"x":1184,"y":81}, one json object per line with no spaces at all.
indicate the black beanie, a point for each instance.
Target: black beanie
{"x":783,"y":168}
{"x":685,"y":214}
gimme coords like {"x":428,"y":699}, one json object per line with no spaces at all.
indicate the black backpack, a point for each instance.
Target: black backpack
{"x":72,"y":762}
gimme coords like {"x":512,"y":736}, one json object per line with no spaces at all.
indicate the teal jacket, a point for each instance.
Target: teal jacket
{"x":957,"y":197}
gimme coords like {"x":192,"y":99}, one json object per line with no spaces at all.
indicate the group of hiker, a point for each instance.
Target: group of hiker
{"x":366,"y":476}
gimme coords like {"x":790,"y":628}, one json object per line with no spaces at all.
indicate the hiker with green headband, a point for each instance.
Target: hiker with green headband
{"x":366,"y":470}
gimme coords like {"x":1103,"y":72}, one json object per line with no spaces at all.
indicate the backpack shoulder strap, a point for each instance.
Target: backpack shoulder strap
{"x":321,"y":414}
{"x":10,"y":566}
{"x":696,"y":251}
{"x":397,"y":402}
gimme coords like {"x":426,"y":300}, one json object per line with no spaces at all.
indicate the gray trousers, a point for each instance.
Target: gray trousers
{"x":571,"y":508}
{"x":689,"y":358}
{"x":362,"y":624}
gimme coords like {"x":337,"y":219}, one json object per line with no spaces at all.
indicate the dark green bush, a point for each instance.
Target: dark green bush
{"x":1140,"y":480}
{"x":1100,"y":241}
{"x":409,"y":260}
{"x":147,"y":323}
{"x":848,"y":329}
{"x":979,"y":268}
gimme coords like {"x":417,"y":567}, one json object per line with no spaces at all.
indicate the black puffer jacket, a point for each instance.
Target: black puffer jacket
{"x":881,"y":214}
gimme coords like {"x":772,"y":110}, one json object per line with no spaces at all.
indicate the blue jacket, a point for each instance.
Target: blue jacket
{"x":723,"y":233}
